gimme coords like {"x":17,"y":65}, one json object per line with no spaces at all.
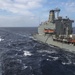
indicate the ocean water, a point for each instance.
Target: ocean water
{"x":21,"y":55}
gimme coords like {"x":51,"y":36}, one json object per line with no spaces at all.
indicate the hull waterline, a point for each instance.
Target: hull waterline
{"x":49,"y":41}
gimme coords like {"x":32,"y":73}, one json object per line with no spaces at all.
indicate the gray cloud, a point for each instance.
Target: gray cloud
{"x":18,"y":21}
{"x":22,"y":10}
{"x":20,"y":6}
{"x":69,"y":6}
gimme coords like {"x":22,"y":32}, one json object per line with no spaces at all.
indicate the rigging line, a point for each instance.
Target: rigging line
{"x":47,"y":38}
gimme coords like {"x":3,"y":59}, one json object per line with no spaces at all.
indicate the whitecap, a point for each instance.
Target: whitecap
{"x":1,"y":39}
{"x":68,"y":63}
{"x":27,"y":53}
{"x":46,"y":51}
{"x":54,"y":58}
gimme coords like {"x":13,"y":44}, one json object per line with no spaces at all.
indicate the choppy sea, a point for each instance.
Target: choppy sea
{"x":21,"y":55}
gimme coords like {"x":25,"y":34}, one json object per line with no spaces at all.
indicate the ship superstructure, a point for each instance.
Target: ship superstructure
{"x":57,"y":31}
{"x":60,"y":29}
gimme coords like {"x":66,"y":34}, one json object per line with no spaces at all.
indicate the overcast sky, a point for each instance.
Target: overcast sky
{"x":29,"y":13}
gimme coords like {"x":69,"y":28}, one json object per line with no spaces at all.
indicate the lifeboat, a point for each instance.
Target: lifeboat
{"x":48,"y":31}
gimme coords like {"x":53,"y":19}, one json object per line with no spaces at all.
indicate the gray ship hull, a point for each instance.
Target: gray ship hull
{"x":49,"y":41}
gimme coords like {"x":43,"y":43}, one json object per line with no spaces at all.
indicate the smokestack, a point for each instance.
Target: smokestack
{"x":51,"y":16}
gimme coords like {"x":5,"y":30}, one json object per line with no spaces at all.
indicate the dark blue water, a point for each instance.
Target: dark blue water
{"x":21,"y":55}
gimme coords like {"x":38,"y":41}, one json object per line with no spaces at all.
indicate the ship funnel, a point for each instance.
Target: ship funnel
{"x":51,"y":16}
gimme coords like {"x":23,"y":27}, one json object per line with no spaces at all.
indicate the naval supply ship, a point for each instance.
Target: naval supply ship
{"x":57,"y":32}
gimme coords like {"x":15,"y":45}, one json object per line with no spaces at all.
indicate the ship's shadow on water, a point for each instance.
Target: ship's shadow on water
{"x":21,"y":55}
